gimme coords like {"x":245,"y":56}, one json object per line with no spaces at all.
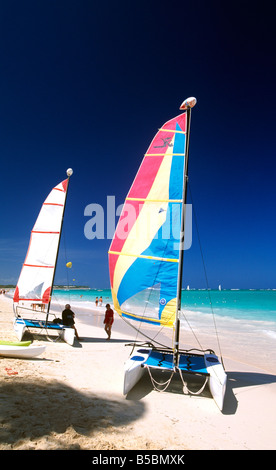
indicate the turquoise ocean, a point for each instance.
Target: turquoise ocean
{"x":231,"y":307}
{"x":237,"y":310}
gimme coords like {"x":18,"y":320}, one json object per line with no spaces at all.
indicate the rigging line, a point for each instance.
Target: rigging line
{"x":55,"y":297}
{"x":186,"y":390}
{"x":66,"y":260}
{"x":143,"y":334}
{"x":205,"y":271}
{"x":191,"y":328}
{"x":151,"y":292}
{"x":155,"y":384}
{"x":33,"y":277}
{"x":139,"y":328}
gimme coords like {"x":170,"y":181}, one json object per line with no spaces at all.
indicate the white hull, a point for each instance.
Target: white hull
{"x":21,"y":351}
{"x":133,"y":368}
{"x":66,"y":333}
{"x":217,"y":379}
{"x":19,"y":328}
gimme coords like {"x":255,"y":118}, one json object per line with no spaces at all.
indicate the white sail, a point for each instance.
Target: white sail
{"x":36,"y":278}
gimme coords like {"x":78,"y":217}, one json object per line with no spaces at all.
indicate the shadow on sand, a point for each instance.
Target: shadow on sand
{"x":31,"y":410}
{"x":42,"y":336}
{"x":234,"y":380}
{"x":242,"y":379}
{"x":101,"y":340}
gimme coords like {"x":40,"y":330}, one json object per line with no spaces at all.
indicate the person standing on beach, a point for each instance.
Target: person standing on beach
{"x":68,"y":318}
{"x":108,"y":320}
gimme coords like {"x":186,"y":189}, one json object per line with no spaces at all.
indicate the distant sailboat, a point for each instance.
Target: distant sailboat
{"x":146,"y":267}
{"x":35,"y":283}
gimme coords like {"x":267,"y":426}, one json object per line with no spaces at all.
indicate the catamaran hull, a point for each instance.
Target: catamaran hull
{"x":134,"y":369}
{"x":66,"y":333}
{"x":21,"y":351}
{"x":207,"y":364}
{"x":217,"y":378}
{"x":19,"y":328}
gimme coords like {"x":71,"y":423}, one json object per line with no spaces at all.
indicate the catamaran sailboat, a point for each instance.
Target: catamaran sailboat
{"x":146,"y":259}
{"x":35,"y":284}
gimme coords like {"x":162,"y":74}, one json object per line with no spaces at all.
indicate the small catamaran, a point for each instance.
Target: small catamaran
{"x":32,"y":296}
{"x":146,"y":260}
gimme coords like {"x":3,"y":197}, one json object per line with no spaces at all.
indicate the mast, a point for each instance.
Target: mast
{"x":69,"y":173}
{"x":186,"y":105}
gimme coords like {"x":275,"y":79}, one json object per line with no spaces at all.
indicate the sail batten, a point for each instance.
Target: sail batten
{"x":171,"y":260}
{"x":166,"y":155}
{"x":38,"y":266}
{"x":152,"y":200}
{"x":172,"y":130}
{"x":40,"y":231}
{"x":52,"y":204}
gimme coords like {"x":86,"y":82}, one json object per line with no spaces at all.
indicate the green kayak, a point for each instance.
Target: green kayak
{"x":15,"y":343}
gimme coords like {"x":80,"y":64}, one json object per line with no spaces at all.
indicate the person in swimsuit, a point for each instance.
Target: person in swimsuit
{"x":108,"y":320}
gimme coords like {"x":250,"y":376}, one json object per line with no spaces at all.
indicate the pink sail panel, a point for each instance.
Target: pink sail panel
{"x":36,"y":277}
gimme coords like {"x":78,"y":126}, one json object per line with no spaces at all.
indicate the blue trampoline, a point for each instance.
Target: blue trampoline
{"x":187,"y":362}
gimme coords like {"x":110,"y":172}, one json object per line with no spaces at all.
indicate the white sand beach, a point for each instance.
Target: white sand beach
{"x":70,"y":398}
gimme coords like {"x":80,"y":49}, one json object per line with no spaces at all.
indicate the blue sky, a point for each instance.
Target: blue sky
{"x":86,"y":84}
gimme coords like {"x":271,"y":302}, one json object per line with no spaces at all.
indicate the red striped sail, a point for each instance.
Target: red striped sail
{"x":36,"y":277}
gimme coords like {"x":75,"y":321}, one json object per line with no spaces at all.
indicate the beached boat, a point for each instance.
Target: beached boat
{"x":146,"y":261}
{"x":32,"y":296}
{"x":21,"y":349}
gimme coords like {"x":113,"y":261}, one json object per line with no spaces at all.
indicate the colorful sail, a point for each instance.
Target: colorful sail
{"x":36,"y":277}
{"x":144,"y":253}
